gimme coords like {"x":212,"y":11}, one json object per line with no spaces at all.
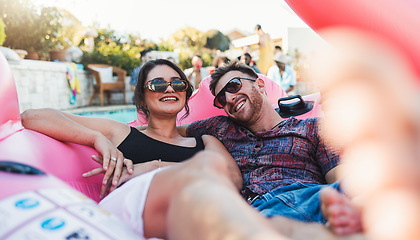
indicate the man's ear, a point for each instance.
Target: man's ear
{"x":260,"y":84}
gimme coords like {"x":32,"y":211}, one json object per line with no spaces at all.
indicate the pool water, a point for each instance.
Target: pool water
{"x":122,"y":115}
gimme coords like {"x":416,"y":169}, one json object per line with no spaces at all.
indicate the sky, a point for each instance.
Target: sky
{"x":158,"y":19}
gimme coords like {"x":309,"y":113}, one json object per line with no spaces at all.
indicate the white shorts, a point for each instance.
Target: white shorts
{"x":127,"y":202}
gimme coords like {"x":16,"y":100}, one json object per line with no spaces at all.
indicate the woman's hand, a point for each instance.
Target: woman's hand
{"x":112,"y":159}
{"x":112,"y":173}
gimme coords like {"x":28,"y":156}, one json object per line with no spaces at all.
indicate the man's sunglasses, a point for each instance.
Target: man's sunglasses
{"x":233,"y":86}
{"x":160,"y":85}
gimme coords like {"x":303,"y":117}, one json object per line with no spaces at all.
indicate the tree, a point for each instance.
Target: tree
{"x":118,"y":50}
{"x":27,"y":27}
{"x":188,"y":37}
{"x":217,"y":40}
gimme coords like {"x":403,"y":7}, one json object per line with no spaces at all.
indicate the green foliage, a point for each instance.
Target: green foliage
{"x":27,"y":27}
{"x":47,"y":30}
{"x":188,"y":37}
{"x":207,"y":59}
{"x":217,"y":40}
{"x":118,"y":50}
{"x":189,"y":41}
{"x":2,"y":33}
{"x":165,"y":46}
{"x":68,"y":30}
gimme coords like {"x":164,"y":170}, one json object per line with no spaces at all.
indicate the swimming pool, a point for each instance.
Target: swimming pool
{"x":127,"y":114}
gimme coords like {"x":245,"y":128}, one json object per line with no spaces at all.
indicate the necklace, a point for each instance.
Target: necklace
{"x":276,"y":125}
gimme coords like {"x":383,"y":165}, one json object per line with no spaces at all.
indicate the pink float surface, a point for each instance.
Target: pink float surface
{"x":65,"y":161}
{"x":395,"y":21}
{"x":316,"y":110}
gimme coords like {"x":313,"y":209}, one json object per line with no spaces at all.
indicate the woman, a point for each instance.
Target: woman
{"x":161,"y":93}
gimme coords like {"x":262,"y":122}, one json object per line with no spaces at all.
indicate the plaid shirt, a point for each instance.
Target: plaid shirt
{"x":291,"y":152}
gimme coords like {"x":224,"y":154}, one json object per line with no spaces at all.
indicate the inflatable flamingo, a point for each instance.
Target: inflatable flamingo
{"x":38,"y":176}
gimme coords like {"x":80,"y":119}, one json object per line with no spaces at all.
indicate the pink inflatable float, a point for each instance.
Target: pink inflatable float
{"x":394,"y":21}
{"x":64,"y":160}
{"x":38,"y":176}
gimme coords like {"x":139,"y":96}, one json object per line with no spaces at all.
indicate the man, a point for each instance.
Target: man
{"x":145,"y":57}
{"x":284,"y":162}
{"x":247,"y":59}
{"x":282,"y":73}
{"x":197,"y":72}
{"x":266,"y":50}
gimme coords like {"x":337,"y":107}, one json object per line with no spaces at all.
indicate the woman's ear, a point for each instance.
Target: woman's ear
{"x":261,"y":84}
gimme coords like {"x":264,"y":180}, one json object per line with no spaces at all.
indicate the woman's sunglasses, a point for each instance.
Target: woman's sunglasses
{"x":233,"y":86}
{"x":160,"y":85}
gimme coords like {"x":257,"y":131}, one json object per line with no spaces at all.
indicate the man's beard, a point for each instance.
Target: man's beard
{"x":255,"y":101}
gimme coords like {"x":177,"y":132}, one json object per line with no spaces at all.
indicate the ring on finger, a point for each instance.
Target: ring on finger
{"x":113,"y":159}
{"x":126,"y":159}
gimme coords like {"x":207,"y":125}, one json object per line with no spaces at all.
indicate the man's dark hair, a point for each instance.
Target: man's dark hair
{"x":278,"y":47}
{"x":232,"y":66}
{"x":247,"y":55}
{"x":258,"y":27}
{"x":145,"y":52}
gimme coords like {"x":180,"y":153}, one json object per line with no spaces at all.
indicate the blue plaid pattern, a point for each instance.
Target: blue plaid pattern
{"x":291,"y":152}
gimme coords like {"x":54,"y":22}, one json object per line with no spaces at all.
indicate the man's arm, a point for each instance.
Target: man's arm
{"x":332,"y":175}
{"x":212,"y":143}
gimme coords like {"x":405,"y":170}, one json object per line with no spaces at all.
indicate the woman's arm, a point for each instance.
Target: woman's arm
{"x":102,"y":134}
{"x":73,"y":128}
{"x":212,"y":143}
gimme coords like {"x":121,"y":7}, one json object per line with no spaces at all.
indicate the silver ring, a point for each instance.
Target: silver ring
{"x":126,"y":159}
{"x":113,"y":159}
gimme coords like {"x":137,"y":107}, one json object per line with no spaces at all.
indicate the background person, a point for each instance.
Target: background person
{"x":277,"y":49}
{"x":266,"y":49}
{"x":145,"y":57}
{"x":197,"y":72}
{"x":218,"y":61}
{"x":247,"y":59}
{"x":282,"y":73}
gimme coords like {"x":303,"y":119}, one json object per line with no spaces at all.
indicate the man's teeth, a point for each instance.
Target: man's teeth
{"x":239,"y":106}
{"x":169,"y":99}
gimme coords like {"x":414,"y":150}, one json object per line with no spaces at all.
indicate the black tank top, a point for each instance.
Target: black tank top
{"x":141,"y":148}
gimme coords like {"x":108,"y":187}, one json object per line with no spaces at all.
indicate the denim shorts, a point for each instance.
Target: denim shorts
{"x":300,"y":201}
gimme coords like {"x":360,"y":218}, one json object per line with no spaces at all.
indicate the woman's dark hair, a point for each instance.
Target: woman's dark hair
{"x":232,"y":66}
{"x":141,"y":81}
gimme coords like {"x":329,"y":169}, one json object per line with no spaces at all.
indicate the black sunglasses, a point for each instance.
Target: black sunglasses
{"x":160,"y":85}
{"x":233,"y":86}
